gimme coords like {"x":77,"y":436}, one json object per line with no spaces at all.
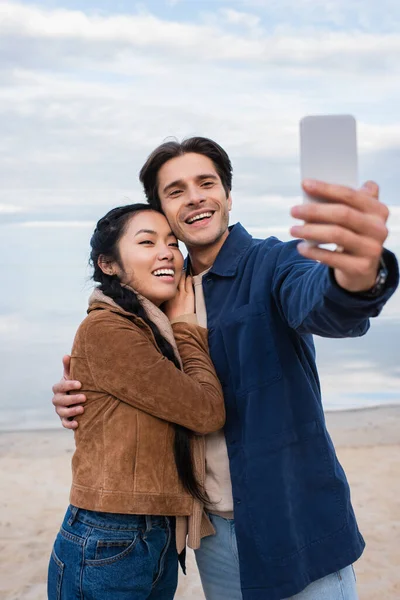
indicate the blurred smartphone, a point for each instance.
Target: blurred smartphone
{"x":328,"y":150}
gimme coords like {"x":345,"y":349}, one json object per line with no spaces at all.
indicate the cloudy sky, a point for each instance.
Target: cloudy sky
{"x":87,"y":89}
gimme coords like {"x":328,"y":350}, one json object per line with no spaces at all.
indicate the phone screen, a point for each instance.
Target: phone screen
{"x":328,"y":150}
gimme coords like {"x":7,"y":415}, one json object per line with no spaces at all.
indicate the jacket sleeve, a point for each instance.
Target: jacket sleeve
{"x":310,"y":300}
{"x":126,"y":364}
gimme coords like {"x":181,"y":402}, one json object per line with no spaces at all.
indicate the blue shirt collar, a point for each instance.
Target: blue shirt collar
{"x":229,"y":256}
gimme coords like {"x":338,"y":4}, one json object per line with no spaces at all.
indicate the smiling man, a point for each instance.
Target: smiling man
{"x":278,"y":497}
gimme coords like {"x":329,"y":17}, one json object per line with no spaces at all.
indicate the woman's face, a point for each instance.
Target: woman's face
{"x":150,"y":260}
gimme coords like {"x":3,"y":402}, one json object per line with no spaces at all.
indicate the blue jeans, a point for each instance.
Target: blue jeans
{"x":218,"y":563}
{"x":99,"y":556}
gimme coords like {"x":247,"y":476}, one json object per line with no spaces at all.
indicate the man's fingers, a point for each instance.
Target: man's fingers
{"x":333,"y":234}
{"x":69,"y":424}
{"x":372,"y":188}
{"x":66,"y":366}
{"x":65,"y":386}
{"x":65,"y":400}
{"x":69,"y":413}
{"x":344,"y":216}
{"x":361,"y":200}
{"x":65,"y":412}
{"x":336,"y":260}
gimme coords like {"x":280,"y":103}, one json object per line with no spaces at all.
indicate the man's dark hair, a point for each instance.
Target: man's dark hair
{"x":198,"y":145}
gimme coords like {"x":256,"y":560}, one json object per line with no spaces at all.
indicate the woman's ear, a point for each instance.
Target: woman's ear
{"x":106,"y":265}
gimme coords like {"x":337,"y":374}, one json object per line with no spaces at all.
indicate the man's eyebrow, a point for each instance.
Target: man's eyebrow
{"x":181,"y":183}
{"x":176,"y":183}
{"x":207,"y":176}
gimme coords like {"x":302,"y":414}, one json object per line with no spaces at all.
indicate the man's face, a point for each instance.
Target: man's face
{"x":194,"y":200}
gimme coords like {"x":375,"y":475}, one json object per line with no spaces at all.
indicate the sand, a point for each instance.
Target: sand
{"x":35,"y":477}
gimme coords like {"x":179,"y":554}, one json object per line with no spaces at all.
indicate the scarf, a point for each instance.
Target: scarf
{"x":153,"y":312}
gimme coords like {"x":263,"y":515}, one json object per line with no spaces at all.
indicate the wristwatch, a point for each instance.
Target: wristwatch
{"x":380,"y":281}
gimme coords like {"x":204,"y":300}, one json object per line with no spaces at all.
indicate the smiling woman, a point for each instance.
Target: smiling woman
{"x":148,"y":387}
{"x":147,"y":257}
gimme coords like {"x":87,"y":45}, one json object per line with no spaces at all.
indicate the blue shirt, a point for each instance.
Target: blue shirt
{"x":293,"y":516}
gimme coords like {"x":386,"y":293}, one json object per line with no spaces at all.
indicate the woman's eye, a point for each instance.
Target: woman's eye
{"x":175,"y":244}
{"x":145,"y":242}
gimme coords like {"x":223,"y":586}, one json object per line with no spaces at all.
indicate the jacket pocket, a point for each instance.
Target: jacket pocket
{"x":250,"y":348}
{"x":295,"y":494}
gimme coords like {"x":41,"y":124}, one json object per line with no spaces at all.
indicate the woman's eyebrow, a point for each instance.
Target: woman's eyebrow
{"x":145,"y":231}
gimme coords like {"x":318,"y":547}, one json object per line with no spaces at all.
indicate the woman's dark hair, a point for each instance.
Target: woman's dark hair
{"x":104,"y":242}
{"x":198,"y":145}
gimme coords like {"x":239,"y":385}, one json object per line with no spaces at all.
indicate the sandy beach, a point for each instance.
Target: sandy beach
{"x":35,"y":478}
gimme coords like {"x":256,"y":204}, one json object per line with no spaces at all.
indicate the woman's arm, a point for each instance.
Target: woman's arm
{"x":125,"y":363}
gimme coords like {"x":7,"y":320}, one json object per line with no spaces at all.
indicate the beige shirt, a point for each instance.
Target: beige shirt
{"x":217,"y":476}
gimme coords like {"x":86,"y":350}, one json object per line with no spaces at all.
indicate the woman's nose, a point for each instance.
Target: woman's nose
{"x":166,"y":253}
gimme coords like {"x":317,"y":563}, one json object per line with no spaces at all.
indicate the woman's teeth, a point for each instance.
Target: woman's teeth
{"x":161,"y":272}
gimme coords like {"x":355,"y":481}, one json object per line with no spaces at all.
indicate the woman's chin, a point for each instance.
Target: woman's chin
{"x":159,"y":300}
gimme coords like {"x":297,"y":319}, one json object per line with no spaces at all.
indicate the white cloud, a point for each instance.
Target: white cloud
{"x":378,"y":137}
{"x":143,"y":31}
{"x":89,"y":96}
{"x":58,"y":224}
{"x":8,"y":209}
{"x":237,"y":17}
{"x":84,"y":97}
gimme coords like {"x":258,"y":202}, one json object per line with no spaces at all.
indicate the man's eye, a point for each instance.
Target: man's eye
{"x":175,"y":192}
{"x":208,"y":183}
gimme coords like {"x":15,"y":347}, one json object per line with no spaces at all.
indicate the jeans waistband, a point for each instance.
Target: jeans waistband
{"x":117,"y":520}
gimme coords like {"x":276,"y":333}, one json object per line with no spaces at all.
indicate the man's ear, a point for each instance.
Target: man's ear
{"x":106,"y":265}
{"x":229,"y":200}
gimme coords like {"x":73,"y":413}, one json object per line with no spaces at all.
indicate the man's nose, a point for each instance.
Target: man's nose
{"x":196,"y":195}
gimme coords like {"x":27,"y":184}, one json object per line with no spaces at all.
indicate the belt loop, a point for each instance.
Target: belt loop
{"x":74,"y":512}
{"x":149,"y":524}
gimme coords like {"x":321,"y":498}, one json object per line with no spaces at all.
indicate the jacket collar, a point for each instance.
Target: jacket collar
{"x":98,"y":300}
{"x":228,"y":258}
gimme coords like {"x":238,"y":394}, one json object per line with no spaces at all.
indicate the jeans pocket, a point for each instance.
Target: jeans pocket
{"x":105,"y":548}
{"x":55,"y":576}
{"x":123,"y":563}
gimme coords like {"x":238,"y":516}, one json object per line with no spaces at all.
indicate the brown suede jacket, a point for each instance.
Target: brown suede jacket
{"x":124,"y":460}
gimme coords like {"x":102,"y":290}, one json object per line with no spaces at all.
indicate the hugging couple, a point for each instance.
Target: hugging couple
{"x":195,"y":398}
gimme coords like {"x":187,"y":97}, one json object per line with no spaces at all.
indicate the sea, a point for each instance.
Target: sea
{"x":45,"y":284}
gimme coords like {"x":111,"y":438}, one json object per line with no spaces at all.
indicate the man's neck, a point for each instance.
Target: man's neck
{"x":203,"y":257}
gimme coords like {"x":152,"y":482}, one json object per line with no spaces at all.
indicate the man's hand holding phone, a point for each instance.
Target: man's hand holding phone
{"x":334,"y":211}
{"x":67,"y":399}
{"x":354,"y":220}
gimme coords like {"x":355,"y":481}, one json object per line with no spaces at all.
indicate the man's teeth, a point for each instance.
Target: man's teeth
{"x":198,"y":217}
{"x":164,"y":272}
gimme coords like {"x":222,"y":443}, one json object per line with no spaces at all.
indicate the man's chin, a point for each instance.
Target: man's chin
{"x":198,"y":241}
{"x":200,"y":237}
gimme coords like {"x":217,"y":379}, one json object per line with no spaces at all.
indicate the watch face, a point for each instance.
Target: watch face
{"x":380,"y":280}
